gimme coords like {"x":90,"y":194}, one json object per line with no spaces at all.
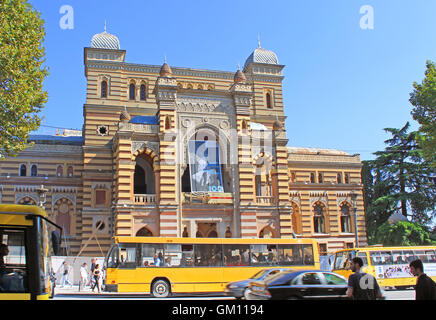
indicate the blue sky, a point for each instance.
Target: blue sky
{"x":342,"y":85}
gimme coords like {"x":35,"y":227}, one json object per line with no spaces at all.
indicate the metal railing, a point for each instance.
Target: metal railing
{"x":264,"y":199}
{"x":144,"y":198}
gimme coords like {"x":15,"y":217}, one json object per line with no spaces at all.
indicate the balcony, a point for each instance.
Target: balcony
{"x":138,"y":127}
{"x":143,"y":199}
{"x":207,"y":198}
{"x":264,"y":200}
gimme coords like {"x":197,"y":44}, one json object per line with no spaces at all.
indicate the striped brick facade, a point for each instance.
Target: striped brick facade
{"x":115,"y":149}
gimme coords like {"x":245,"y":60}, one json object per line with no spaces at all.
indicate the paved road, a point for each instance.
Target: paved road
{"x":73,"y":294}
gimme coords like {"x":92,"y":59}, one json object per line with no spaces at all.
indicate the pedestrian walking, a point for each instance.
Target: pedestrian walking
{"x":97,"y":276}
{"x":425,"y":288}
{"x":83,"y":276}
{"x":65,"y":275}
{"x":361,"y":285}
{"x":91,"y":278}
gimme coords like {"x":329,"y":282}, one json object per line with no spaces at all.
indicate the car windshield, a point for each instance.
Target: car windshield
{"x":259,"y":275}
{"x":277,"y":276}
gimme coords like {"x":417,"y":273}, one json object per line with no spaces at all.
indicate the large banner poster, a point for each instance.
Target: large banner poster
{"x":402,"y":271}
{"x":204,"y":166}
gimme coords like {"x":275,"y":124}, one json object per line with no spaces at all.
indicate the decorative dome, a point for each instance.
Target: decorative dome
{"x":105,"y":40}
{"x":261,"y":55}
{"x":239,"y":77}
{"x":165,"y":70}
{"x":125,"y":116}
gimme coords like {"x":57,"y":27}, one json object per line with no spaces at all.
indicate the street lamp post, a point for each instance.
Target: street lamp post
{"x":42,"y":193}
{"x":353,"y":196}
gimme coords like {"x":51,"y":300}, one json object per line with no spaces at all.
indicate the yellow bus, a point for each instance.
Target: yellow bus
{"x":25,"y":251}
{"x":389,"y":265}
{"x":164,"y":266}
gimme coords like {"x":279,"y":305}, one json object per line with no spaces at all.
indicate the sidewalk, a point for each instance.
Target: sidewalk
{"x":87,"y":291}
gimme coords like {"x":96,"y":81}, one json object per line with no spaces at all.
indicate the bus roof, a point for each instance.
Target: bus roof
{"x":125,"y":239}
{"x":22,"y":209}
{"x":378,"y":248}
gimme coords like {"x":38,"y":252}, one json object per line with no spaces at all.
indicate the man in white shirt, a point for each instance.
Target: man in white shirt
{"x":83,"y":276}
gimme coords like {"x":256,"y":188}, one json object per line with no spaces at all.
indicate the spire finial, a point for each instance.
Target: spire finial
{"x":104,"y":25}
{"x":239,"y":66}
{"x":165,"y":58}
{"x":258,"y":40}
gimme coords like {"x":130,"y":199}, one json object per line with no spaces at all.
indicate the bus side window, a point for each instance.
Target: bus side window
{"x":431,"y":256}
{"x":128,"y":256}
{"x":362,"y":255}
{"x":151,"y":255}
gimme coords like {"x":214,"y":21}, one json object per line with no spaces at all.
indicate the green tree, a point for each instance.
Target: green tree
{"x":403,"y":233}
{"x":401,"y":181}
{"x":21,"y":74}
{"x":423,"y":98}
{"x":376,"y":213}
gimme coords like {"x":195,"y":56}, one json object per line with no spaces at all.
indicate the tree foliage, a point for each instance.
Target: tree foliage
{"x":423,"y":98}
{"x":21,"y":74}
{"x":398,"y":180}
{"x":403,"y":233}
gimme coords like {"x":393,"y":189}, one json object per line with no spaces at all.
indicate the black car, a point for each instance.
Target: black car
{"x":304,"y":284}
{"x":238,"y":289}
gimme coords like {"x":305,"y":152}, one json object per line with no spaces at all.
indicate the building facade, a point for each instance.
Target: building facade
{"x":183,"y":152}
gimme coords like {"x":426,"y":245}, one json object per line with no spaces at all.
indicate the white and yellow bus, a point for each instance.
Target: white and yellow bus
{"x":164,"y":266}
{"x":28,"y":240}
{"x":389,"y":265}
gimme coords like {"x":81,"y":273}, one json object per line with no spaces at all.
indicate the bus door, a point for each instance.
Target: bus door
{"x":342,"y":263}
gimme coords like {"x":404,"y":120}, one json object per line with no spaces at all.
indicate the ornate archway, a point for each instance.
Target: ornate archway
{"x":27,"y":201}
{"x":267,"y":233}
{"x":144,"y":232}
{"x":63,"y":212}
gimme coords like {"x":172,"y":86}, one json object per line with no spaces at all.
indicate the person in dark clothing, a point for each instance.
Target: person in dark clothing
{"x":361,"y":285}
{"x":425,"y":288}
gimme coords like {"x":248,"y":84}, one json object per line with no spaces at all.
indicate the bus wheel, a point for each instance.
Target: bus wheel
{"x":160,"y":289}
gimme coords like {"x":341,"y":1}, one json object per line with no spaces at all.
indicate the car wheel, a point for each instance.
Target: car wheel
{"x":160,"y":289}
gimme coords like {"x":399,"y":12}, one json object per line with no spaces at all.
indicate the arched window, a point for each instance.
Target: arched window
{"x":132,"y":90}
{"x":293,"y":178}
{"x":268,"y":100}
{"x":23,"y":170}
{"x":144,"y":232}
{"x":296,"y":219}
{"x":318,"y":219}
{"x":34,"y":170}
{"x":60,"y":171}
{"x":345,"y":219}
{"x":339,"y":177}
{"x":167,"y":123}
{"x":142,"y":92}
{"x":320,"y":178}
{"x":228,"y":233}
{"x":244,"y":126}
{"x":185,"y":233}
{"x":144,"y":177}
{"x":70,"y":171}
{"x":212,"y":234}
{"x":312,"y":177}
{"x":347,"y":178}
{"x":266,"y":233}
{"x":104,"y":89}
{"x":199,"y":234}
